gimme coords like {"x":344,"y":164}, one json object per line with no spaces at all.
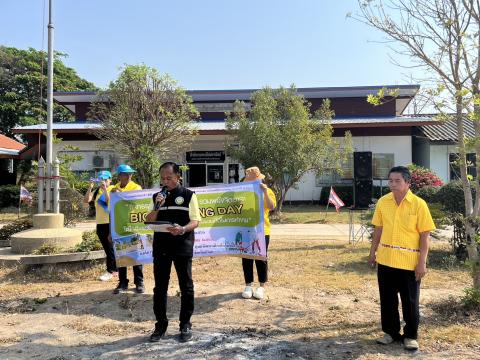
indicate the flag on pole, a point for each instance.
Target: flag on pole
{"x":335,"y":200}
{"x":25,"y":195}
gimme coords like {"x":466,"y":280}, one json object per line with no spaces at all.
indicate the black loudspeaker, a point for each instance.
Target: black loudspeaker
{"x":362,"y":193}
{"x":362,"y":165}
{"x":363,"y":184}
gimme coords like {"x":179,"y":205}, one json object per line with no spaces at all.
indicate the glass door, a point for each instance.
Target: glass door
{"x":214,"y":174}
{"x":196,"y":175}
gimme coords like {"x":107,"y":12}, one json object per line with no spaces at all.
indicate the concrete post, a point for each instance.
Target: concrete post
{"x":56,"y":186}
{"x":48,"y":195}
{"x":40,"y":184}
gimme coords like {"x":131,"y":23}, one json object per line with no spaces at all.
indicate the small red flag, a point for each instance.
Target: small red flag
{"x":335,"y":200}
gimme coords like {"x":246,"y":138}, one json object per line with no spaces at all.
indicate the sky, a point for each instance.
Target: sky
{"x":210,"y":44}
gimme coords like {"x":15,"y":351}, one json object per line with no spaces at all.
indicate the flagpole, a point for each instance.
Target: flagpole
{"x":19,"y":202}
{"x":328,"y":203}
{"x":49,"y":162}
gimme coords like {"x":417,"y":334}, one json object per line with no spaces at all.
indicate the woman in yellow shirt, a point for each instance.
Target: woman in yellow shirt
{"x":269,"y":203}
{"x":102,"y":218}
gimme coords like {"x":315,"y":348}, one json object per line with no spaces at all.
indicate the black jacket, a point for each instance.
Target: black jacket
{"x":176,"y":210}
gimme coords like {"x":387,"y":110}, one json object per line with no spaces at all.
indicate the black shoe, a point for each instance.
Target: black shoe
{"x":185,"y":333}
{"x":158,"y":333}
{"x":140,"y":289}
{"x":121,"y":288}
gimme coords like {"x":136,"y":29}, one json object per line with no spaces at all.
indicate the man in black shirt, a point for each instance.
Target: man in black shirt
{"x":179,"y":206}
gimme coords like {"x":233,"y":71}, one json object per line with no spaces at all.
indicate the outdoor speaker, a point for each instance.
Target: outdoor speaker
{"x":362,"y":165}
{"x":362,"y":194}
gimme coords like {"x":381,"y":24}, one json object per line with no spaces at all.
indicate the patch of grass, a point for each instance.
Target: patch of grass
{"x":47,"y":249}
{"x":441,"y":257}
{"x":312,"y":214}
{"x":100,"y":326}
{"x":318,"y":290}
{"x":11,"y":213}
{"x":458,"y":334}
{"x":10,"y":340}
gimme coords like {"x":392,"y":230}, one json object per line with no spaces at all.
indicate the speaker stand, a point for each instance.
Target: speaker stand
{"x":357,"y":233}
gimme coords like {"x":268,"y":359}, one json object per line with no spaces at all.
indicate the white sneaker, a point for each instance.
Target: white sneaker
{"x":259,"y":293}
{"x":410,"y":344}
{"x":105,"y":276}
{"x":248,"y":292}
{"x":385,"y":340}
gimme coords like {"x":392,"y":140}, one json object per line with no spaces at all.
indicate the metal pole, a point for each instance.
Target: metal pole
{"x":49,"y":108}
{"x":19,"y":201}
{"x":40,"y":183}
{"x":56,"y":186}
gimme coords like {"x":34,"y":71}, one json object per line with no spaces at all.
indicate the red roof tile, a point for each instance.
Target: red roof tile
{"x":8,"y":143}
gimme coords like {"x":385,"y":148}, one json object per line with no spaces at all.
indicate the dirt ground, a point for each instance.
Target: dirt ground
{"x":322,"y":303}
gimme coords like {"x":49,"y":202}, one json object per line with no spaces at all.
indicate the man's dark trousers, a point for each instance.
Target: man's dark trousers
{"x":392,"y":281}
{"x":162,"y":265}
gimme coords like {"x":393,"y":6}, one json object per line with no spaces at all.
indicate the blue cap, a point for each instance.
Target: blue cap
{"x":125,"y":169}
{"x":104,"y":175}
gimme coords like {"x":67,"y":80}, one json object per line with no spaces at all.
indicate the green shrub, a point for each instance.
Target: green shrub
{"x":471,"y":299}
{"x":428,"y":193}
{"x":82,"y":186}
{"x":15,"y":227}
{"x":72,"y":206}
{"x":376,"y":191}
{"x":439,"y":216}
{"x":9,"y":195}
{"x":451,"y":197}
{"x":90,"y":242}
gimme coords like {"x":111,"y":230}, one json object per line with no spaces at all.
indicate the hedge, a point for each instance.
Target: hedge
{"x":9,"y":195}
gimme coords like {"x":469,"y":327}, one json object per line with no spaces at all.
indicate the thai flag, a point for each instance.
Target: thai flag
{"x":335,"y":200}
{"x":25,"y":195}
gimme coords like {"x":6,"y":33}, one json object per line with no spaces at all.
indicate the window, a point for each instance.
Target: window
{"x":382,"y":163}
{"x":455,"y":169}
{"x":334,"y":177}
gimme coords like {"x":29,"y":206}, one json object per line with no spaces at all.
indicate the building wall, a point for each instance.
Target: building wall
{"x":307,"y":189}
{"x":439,"y":160}
{"x":421,"y":151}
{"x":400,"y":146}
{"x":91,"y":152}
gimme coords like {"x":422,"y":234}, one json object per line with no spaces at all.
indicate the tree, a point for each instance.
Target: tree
{"x":441,"y":37}
{"x":147,"y":117}
{"x":281,"y":136}
{"x":23,"y":84}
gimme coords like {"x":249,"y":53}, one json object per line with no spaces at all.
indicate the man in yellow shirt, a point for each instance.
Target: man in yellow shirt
{"x":400,"y":247}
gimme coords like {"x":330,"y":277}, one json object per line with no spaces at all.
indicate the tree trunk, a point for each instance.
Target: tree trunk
{"x":470,"y":230}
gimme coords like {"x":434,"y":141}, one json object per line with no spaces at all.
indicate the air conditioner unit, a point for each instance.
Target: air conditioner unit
{"x":98,"y":161}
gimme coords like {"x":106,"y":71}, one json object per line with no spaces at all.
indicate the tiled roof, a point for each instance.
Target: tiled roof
{"x":447,"y":130}
{"x":10,"y":144}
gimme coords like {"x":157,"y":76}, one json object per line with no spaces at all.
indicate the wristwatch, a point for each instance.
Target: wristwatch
{"x":183,"y":230}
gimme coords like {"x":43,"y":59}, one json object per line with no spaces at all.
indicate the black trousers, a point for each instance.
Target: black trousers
{"x":262,"y":267}
{"x":137,"y":275}
{"x":103,"y":230}
{"x":391,"y":282}
{"x":162,"y":265}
